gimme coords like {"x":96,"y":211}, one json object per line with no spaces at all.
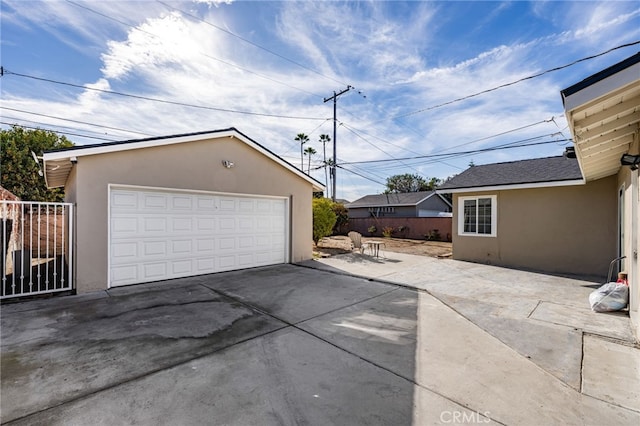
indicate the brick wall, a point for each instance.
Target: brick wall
{"x":414,"y":227}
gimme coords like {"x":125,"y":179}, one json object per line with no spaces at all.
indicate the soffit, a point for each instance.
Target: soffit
{"x":604,"y":128}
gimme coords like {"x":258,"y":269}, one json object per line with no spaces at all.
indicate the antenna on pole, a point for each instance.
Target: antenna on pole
{"x":335,"y":157}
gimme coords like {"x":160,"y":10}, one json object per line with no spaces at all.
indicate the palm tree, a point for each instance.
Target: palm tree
{"x":302,"y":138}
{"x":324,"y":139}
{"x":309,"y":151}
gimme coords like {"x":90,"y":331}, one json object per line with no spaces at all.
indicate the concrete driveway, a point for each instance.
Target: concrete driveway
{"x":301,"y":345}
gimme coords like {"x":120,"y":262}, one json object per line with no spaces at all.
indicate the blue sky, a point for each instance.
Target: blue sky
{"x":281,"y":59}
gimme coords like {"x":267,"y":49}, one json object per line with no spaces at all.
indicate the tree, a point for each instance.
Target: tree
{"x":410,"y":183}
{"x":324,"y":140}
{"x":342,"y":218}
{"x":309,"y":151}
{"x":323,"y":218}
{"x":302,"y":138}
{"x":18,"y":170}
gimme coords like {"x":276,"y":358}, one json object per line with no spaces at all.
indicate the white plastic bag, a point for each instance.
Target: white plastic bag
{"x":609,"y":297}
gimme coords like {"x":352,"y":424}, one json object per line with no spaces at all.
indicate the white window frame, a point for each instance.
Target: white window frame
{"x":494,"y":215}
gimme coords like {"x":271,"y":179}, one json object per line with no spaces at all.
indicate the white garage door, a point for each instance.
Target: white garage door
{"x":157,"y":234}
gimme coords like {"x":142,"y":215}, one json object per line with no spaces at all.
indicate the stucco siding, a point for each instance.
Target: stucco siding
{"x":190,"y":166}
{"x":628,"y":182}
{"x":569,"y":230}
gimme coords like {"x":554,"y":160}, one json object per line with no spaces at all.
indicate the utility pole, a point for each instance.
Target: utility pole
{"x":335,"y":157}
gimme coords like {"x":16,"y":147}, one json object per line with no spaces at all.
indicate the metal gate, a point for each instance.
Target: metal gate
{"x":37,"y":248}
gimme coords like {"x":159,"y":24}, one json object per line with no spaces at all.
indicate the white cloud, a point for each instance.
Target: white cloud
{"x":377,"y":47}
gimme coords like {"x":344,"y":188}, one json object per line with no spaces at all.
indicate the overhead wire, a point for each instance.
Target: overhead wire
{"x":76,"y":121}
{"x":164,"y":101}
{"x":63,"y":128}
{"x":463,"y":153}
{"x":200,"y":52}
{"x":60,"y":133}
{"x":250,"y":42}
{"x":517,"y":81}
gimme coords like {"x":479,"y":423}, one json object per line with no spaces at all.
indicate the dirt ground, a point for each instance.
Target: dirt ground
{"x":330,"y":246}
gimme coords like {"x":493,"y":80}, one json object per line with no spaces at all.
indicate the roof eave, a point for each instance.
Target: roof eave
{"x":63,"y":156}
{"x":530,"y":185}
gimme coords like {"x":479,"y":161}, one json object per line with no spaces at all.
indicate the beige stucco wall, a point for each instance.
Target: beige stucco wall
{"x":565,"y":230}
{"x":628,"y":182}
{"x":193,"y":165}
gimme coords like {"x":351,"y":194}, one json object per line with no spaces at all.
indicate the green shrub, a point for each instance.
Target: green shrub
{"x":372,"y":229}
{"x":323,"y":218}
{"x":433,"y":235}
{"x":342,"y":218}
{"x":388,"y":231}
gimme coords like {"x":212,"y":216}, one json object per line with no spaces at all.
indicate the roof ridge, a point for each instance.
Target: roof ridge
{"x":152,"y":138}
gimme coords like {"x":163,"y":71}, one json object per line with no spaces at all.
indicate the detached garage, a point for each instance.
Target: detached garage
{"x":183,"y":205}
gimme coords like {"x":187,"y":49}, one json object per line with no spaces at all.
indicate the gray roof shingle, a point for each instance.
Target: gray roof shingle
{"x":537,"y":170}
{"x":404,"y":199}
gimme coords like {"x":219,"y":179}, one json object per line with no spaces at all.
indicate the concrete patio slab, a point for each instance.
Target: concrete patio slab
{"x":556,"y":349}
{"x":609,"y":324}
{"x":418,"y":337}
{"x":519,"y":308}
{"x":611,"y":372}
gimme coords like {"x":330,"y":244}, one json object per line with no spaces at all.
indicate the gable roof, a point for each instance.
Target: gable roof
{"x":533,"y":173}
{"x":58,"y":163}
{"x":403,"y":199}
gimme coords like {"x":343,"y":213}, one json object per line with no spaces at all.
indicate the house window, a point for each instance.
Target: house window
{"x":477,"y":216}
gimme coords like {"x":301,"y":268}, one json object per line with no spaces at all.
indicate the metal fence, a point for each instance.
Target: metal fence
{"x":37,"y":248}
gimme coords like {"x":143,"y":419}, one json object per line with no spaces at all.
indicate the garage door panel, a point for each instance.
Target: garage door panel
{"x":182,"y":202}
{"x":182,"y":268}
{"x":205,"y":203}
{"x":154,"y":271}
{"x":122,"y":275}
{"x":181,"y":247}
{"x":181,"y":224}
{"x":156,"y":235}
{"x":151,"y":202}
{"x":205,"y":245}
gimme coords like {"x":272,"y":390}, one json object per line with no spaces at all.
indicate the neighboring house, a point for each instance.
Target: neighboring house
{"x":410,"y":204}
{"x":182,"y":205}
{"x":557,"y":214}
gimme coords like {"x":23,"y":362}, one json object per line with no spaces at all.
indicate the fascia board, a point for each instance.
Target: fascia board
{"x":81,"y":152}
{"x":516,"y":186}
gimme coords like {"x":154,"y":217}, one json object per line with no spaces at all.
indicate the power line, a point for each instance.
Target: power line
{"x":361,"y":175}
{"x":377,"y":147}
{"x":462,"y":153}
{"x":202,"y":53}
{"x":62,"y":128}
{"x":59,"y":133}
{"x":164,"y":101}
{"x":75,"y":121}
{"x":251,"y":43}
{"x":517,"y":81}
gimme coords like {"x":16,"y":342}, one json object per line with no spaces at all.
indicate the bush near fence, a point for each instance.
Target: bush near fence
{"x":416,"y":228}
